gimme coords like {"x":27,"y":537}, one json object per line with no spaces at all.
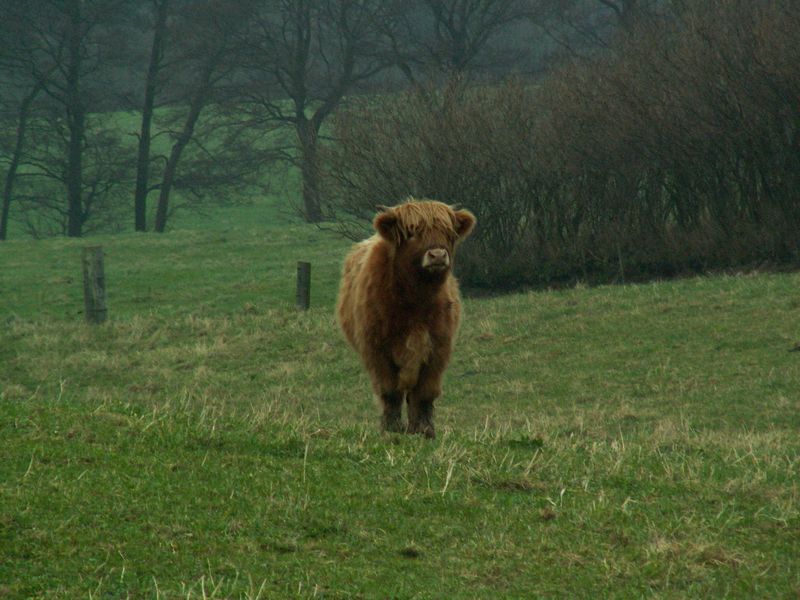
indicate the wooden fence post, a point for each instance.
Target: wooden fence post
{"x":94,"y":285}
{"x":303,"y":297}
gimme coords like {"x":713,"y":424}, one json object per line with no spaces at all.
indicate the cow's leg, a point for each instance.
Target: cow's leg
{"x":384,"y":383}
{"x":420,"y":404}
{"x":420,"y":416}
{"x":392,"y":406}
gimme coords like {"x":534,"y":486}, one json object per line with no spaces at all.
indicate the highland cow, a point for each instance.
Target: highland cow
{"x":399,"y":306}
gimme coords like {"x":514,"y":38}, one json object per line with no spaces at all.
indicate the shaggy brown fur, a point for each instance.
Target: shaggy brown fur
{"x":399,"y":306}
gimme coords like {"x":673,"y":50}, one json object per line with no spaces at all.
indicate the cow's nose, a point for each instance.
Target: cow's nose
{"x":436,"y":257}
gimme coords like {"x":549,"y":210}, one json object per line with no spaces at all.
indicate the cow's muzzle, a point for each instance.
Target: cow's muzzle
{"x":436,"y":259}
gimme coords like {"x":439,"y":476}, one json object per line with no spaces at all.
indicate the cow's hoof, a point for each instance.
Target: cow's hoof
{"x":424,"y":429}
{"x":392,"y":426}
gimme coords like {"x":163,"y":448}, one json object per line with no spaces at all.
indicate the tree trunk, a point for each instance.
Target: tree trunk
{"x":7,"y":189}
{"x":16,"y":158}
{"x":309,"y":169}
{"x":162,"y":211}
{"x":195,"y":108}
{"x":143,"y":157}
{"x":76,"y":122}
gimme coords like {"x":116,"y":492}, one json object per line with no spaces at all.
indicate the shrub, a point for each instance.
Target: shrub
{"x":466,"y":146}
{"x":677,"y":151}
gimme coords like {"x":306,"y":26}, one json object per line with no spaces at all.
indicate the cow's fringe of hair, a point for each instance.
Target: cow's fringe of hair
{"x":414,"y":215}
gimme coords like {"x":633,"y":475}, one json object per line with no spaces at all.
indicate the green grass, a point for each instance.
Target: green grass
{"x":210,"y":441}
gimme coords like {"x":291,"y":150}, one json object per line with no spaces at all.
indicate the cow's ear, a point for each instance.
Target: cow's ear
{"x":465,"y":222}
{"x":385,"y":223}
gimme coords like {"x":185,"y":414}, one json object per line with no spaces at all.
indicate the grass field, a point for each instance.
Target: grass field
{"x":210,"y":441}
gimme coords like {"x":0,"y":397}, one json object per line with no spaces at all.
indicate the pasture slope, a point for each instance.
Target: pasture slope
{"x":211,"y":442}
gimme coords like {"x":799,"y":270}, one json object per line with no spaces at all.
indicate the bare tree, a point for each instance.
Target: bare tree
{"x":64,"y":45}
{"x":160,"y":11}
{"x":581,"y":27}
{"x":454,"y":36}
{"x":75,"y":109}
{"x":678,"y":150}
{"x":22,"y":83}
{"x":105,"y":177}
{"x":16,"y":155}
{"x":193,"y":59}
{"x":305,"y":55}
{"x":209,"y":47}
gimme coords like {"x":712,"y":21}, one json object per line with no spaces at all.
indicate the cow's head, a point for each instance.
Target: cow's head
{"x":424,"y":234}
